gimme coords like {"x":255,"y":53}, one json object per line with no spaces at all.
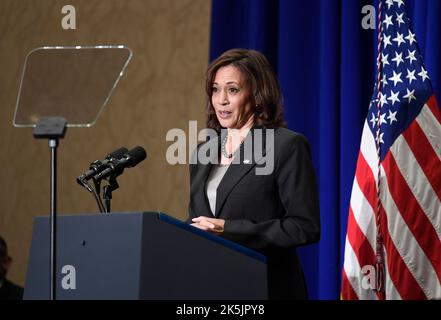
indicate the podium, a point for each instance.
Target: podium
{"x":141,"y":255}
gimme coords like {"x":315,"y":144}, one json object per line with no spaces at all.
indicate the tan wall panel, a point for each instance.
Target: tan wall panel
{"x":161,"y":89}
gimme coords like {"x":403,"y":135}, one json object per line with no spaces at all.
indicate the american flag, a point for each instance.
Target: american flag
{"x":408,"y":166}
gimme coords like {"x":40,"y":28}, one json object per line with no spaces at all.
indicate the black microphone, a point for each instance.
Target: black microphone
{"x":97,"y":166}
{"x":117,"y":166}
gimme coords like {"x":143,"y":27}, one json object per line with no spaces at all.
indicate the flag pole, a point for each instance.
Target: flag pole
{"x":379,"y":263}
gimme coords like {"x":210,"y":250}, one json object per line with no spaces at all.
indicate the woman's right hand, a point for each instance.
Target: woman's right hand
{"x":209,"y":224}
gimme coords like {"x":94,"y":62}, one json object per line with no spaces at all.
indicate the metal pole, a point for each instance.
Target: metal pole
{"x":53,"y":143}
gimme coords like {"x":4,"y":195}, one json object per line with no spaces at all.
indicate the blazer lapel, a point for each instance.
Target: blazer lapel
{"x":238,"y":169}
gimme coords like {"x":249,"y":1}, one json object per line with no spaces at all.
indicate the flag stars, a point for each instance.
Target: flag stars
{"x":399,"y":39}
{"x":383,"y":119}
{"x":423,"y":74}
{"x":401,"y":87}
{"x":393,"y":97}
{"x":384,"y":80}
{"x":383,"y":99}
{"x":381,"y":137}
{"x":398,"y":58}
{"x":402,"y":72}
{"x":388,"y":21}
{"x":373,"y":103}
{"x":396,"y":78}
{"x":411,"y":37}
{"x":389,"y":3}
{"x":392,"y":117}
{"x":411,"y":75}
{"x":373,"y":120}
{"x":411,"y":56}
{"x":410,"y":95}
{"x":384,"y":60}
{"x":399,"y":2}
{"x":386,"y":41}
{"x":400,"y":19}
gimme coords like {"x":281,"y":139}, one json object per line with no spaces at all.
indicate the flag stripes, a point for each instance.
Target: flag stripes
{"x":424,"y":154}
{"x":412,"y":214}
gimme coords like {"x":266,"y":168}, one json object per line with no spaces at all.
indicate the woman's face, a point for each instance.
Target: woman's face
{"x":231,"y":97}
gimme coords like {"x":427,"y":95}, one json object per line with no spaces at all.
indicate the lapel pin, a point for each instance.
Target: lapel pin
{"x":246,"y":161}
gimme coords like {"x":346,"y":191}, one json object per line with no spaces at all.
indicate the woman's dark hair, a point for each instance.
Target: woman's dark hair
{"x":263,"y":83}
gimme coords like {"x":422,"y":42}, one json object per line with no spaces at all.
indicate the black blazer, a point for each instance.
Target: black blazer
{"x":272,"y":213}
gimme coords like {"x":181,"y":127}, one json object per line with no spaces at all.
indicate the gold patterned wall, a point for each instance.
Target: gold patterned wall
{"x":161,"y":89}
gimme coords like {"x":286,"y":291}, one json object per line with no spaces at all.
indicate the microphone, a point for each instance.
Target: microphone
{"x":97,"y":166}
{"x":117,"y":166}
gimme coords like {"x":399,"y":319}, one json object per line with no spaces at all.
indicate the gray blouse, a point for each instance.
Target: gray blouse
{"x":214,"y":179}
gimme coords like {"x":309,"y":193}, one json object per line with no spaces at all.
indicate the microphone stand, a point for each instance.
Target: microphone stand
{"x":96,"y":194}
{"x":112,"y":186}
{"x":53,"y":129}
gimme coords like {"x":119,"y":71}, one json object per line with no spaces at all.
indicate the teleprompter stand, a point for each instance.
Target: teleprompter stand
{"x":53,"y":129}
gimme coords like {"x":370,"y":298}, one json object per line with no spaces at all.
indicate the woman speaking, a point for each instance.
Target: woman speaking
{"x":274,"y":210}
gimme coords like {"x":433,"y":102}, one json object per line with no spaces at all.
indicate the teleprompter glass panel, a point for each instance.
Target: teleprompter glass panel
{"x":70,"y":82}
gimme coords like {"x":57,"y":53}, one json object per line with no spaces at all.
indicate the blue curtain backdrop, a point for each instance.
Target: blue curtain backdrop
{"x":325,"y":63}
